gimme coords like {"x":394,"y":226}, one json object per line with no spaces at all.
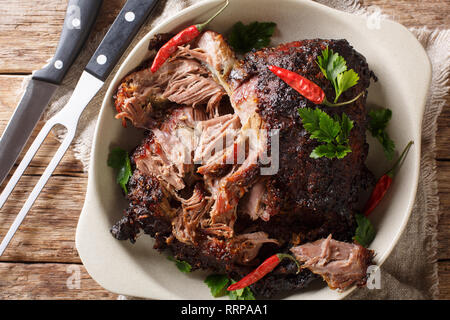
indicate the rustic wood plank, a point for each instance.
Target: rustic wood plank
{"x":29,"y":31}
{"x":444,"y":279}
{"x":48,"y":231}
{"x":10,"y":94}
{"x":48,"y":281}
{"x":443,"y":168}
{"x":415,"y":13}
{"x":443,"y":134}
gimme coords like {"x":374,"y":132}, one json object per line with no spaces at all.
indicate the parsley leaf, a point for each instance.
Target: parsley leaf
{"x":120,"y":160}
{"x":334,"y":68}
{"x":310,"y":119}
{"x":183,"y":266}
{"x":345,"y":81}
{"x":218,"y":284}
{"x":378,"y":121}
{"x":328,"y":128}
{"x":256,"y":35}
{"x":365,"y":232}
{"x":346,"y":127}
{"x":334,"y":132}
{"x":241,"y":294}
{"x":330,"y":151}
{"x":331,"y":65}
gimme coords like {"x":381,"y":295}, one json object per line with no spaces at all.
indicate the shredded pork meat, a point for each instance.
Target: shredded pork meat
{"x":249,"y":244}
{"x":192,"y":210}
{"x":254,"y":205}
{"x":340,"y":264}
{"x":167,"y":151}
{"x":180,"y":80}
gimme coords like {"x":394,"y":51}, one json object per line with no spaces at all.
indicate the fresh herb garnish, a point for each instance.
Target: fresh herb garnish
{"x":334,"y":67}
{"x":256,"y":35}
{"x":218,"y":284}
{"x":365,"y":232}
{"x":120,"y":160}
{"x":334,"y":132}
{"x":241,"y":294}
{"x":183,"y":266}
{"x":378,"y":121}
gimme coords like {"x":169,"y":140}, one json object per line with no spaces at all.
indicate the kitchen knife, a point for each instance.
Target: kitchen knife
{"x":79,"y":19}
{"x":119,"y":36}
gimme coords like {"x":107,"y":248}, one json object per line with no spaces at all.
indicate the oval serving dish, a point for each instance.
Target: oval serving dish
{"x":403,"y":80}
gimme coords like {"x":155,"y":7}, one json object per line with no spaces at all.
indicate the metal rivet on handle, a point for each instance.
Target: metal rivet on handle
{"x":101,"y":59}
{"x":58,"y":64}
{"x":76,"y":22}
{"x":130,"y":16}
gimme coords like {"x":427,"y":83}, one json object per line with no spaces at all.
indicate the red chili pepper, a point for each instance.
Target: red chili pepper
{"x":307,"y":88}
{"x":267,"y":266}
{"x":385,"y":182}
{"x":183,"y":37}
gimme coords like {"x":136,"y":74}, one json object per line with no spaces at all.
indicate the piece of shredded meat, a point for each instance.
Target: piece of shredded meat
{"x":254,"y":205}
{"x":180,"y":80}
{"x":248,"y":245}
{"x":167,"y":151}
{"x":340,"y":264}
{"x":185,"y":225}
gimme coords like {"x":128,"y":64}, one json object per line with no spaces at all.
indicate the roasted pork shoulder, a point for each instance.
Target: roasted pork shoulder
{"x":224,"y":177}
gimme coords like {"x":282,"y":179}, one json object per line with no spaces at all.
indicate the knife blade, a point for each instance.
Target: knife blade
{"x":78,"y":21}
{"x":119,"y":36}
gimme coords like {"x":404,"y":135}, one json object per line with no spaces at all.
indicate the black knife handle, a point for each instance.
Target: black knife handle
{"x":80,"y":16}
{"x":127,"y":24}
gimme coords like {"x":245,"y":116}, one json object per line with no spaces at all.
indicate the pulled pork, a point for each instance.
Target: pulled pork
{"x":181,"y":80}
{"x":340,"y":264}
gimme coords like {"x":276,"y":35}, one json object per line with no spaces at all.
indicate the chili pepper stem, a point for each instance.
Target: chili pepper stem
{"x":393,"y":171}
{"x":385,"y":182}
{"x":330,"y":104}
{"x":202,"y":26}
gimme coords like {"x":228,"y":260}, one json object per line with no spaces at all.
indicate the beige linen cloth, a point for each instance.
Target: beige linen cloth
{"x":410,"y":272}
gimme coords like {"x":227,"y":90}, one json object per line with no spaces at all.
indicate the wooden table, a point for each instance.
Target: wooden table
{"x":42,"y":261}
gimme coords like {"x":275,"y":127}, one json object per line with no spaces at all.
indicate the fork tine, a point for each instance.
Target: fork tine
{"x":26,"y":161}
{"x":38,"y":187}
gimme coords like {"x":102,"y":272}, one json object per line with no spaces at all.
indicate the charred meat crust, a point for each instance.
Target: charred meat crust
{"x":302,"y":182}
{"x":144,"y":213}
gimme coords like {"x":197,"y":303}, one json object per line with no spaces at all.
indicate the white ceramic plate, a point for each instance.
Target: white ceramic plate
{"x":404,"y":74}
